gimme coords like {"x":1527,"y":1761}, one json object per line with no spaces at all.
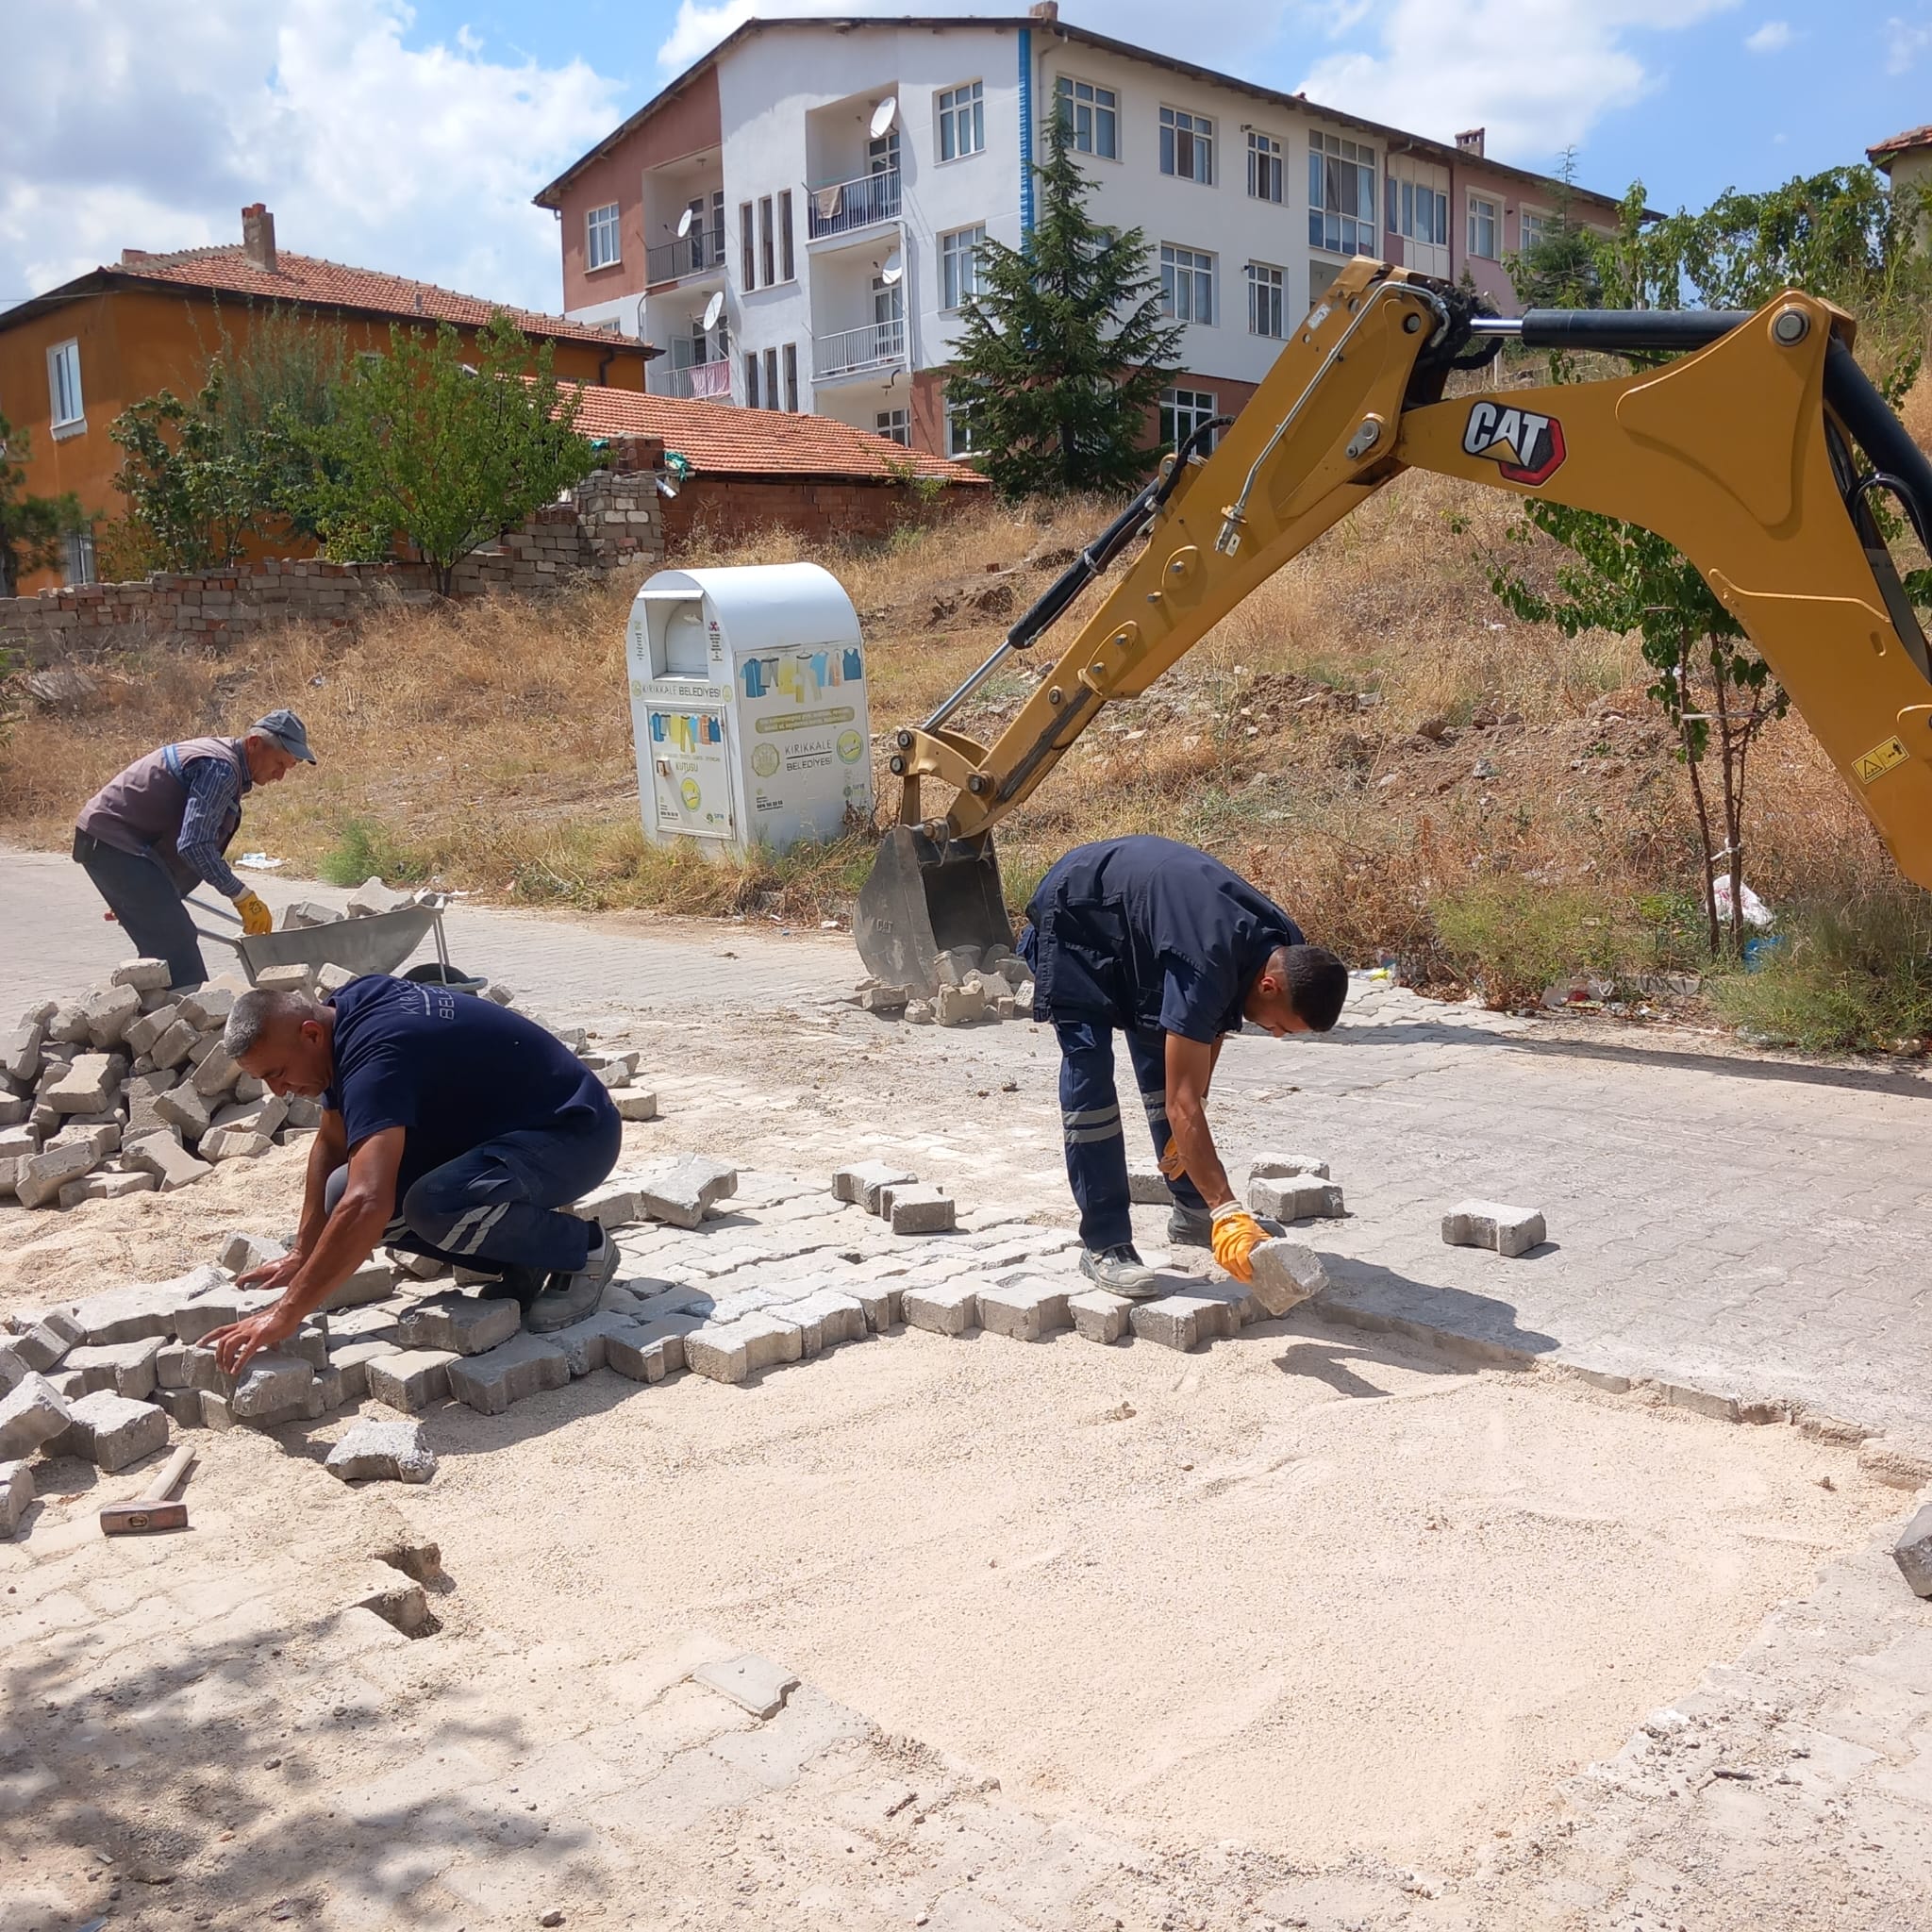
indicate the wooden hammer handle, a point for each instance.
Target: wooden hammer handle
{"x":171,"y":1472}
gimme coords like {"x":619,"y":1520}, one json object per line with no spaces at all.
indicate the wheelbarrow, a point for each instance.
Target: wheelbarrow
{"x":378,"y":944}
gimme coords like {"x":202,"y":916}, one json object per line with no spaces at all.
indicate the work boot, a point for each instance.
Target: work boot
{"x":1120,"y":1271}
{"x":524,"y":1284}
{"x":1191,"y":1227}
{"x":572,"y":1295}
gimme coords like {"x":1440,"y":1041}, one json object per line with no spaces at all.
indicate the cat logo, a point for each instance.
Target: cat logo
{"x":1527,"y":447}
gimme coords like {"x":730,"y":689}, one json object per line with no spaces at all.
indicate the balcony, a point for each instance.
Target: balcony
{"x":697,"y":254}
{"x":846,"y":206}
{"x":692,"y":382}
{"x":878,"y":345}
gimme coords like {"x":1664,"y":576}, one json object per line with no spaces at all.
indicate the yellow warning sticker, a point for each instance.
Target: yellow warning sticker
{"x":1880,"y":759}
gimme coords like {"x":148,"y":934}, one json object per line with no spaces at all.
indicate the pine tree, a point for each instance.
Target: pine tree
{"x":1559,"y":269}
{"x":1065,"y":350}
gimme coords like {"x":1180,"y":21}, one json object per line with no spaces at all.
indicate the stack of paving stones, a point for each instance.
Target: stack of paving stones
{"x":969,"y":985}
{"x":127,"y":1091}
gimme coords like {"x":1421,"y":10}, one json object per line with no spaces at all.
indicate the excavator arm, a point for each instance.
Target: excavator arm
{"x":1756,"y":450}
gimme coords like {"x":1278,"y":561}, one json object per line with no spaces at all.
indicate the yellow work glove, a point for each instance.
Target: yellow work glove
{"x":1237,"y":1235}
{"x":1172,"y":1165}
{"x":255,"y":917}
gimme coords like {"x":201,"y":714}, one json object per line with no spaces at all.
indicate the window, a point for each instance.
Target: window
{"x":896,"y":425}
{"x":1093,"y":115}
{"x":959,"y":429}
{"x":959,"y":265}
{"x":1536,"y":227}
{"x":751,"y":379}
{"x":791,"y":377}
{"x":1264,"y":167}
{"x":768,"y":262}
{"x":1342,"y":195}
{"x":770,"y":378}
{"x":1187,"y":145}
{"x":788,"y":265}
{"x":1420,"y":213}
{"x":600,"y":224}
{"x":1485,"y":227}
{"x":1264,"y":300}
{"x":1182,"y":412}
{"x":882,"y":153}
{"x":747,"y":248}
{"x":962,"y":121}
{"x":63,"y":386}
{"x":80,"y":557}
{"x":767,"y":250}
{"x":1187,"y":284}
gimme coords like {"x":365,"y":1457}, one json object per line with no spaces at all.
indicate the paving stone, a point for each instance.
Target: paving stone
{"x":110,"y":1431}
{"x":37,"y":1181}
{"x":958,"y":1005}
{"x":186,"y":1365}
{"x":182,"y":1107}
{"x":889,"y":1000}
{"x":1295,"y":1197}
{"x":649,"y":1351}
{"x":382,"y":1451}
{"x":752,"y":1683}
{"x":143,"y":976}
{"x":207,"y":1008}
{"x":1912,"y":1552}
{"x":310,"y":1342}
{"x":351,"y":1361}
{"x":1286,"y":1275}
{"x":182,"y":1407}
{"x":374,"y":1281}
{"x":164,"y":1156}
{"x":217,"y":1072}
{"x":142,"y":1033}
{"x":13,"y":1371}
{"x":412,"y":1378}
{"x":110,"y":1012}
{"x":1099,"y":1316}
{"x":272,"y":1382}
{"x":1184,"y":1321}
{"x":171,"y":1048}
{"x":681,"y":1192}
{"x":43,"y":1345}
{"x":861,"y":1182}
{"x":921,"y":1210}
{"x":295,"y":978}
{"x":218,"y":1310}
{"x":243,"y":1251}
{"x":1024,"y":1311}
{"x":126,"y":1367}
{"x":1147,"y":1186}
{"x":101,"y":1137}
{"x":635,"y":1103}
{"x":90,"y":1082}
{"x":68,"y":1023}
{"x":523,"y":1366}
{"x":586,"y":1345}
{"x":138,"y":1310}
{"x":461,"y":1323}
{"x":372,"y":897}
{"x":1277,"y":1167}
{"x":919,"y":1013}
{"x":32,"y":1414}
{"x":20,"y":1055}
{"x":261,"y":1113}
{"x":107,"y":1187}
{"x":300,"y":914}
{"x":945,"y":1308}
{"x":881,"y":1302}
{"x":1491,"y":1224}
{"x":16,"y":1493}
{"x":232,"y":1143}
{"x":610,"y":1205}
{"x":824,"y":1319}
{"x":951,"y":967}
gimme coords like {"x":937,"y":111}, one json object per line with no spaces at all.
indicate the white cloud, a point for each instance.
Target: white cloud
{"x":1905,"y":42}
{"x":1536,"y":74}
{"x":150,"y":128}
{"x":1773,"y":37}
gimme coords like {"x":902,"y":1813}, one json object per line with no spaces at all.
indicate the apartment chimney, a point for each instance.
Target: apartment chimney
{"x":259,"y":237}
{"x":1471,"y":141}
{"x":1046,"y":11}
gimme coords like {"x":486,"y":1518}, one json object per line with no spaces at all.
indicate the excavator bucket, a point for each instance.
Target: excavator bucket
{"x":924,"y":899}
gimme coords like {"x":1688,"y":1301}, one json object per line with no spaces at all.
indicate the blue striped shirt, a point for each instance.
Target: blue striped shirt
{"x":212,"y":816}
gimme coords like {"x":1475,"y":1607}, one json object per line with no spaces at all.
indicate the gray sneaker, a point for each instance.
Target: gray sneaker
{"x":1121,"y":1272}
{"x":574,"y":1297}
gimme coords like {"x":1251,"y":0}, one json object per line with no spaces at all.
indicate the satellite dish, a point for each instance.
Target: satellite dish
{"x":714,"y":309}
{"x":894,"y":268}
{"x":684,"y":222}
{"x":882,"y":116}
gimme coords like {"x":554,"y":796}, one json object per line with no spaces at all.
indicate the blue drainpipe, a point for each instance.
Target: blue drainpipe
{"x":1026,"y":132}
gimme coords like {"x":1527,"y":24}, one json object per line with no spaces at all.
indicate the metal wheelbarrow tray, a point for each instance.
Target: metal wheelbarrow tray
{"x":378,"y":944}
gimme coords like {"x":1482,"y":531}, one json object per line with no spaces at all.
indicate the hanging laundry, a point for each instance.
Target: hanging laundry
{"x":855,"y":664}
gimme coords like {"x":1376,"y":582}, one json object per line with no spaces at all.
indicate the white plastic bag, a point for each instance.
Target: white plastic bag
{"x":1756,"y":913}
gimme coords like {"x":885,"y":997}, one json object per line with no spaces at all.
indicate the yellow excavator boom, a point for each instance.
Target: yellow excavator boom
{"x":1756,"y":450}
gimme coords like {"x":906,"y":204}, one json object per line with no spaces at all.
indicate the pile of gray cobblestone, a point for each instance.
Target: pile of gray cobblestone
{"x":969,"y":985}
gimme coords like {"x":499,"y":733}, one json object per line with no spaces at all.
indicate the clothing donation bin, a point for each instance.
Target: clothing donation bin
{"x":748,"y":707}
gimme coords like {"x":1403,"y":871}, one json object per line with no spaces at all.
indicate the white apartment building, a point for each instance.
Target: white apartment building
{"x":793,"y":221}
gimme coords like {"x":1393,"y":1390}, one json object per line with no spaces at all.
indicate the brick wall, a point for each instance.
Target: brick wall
{"x":714,"y":505}
{"x":613,"y":522}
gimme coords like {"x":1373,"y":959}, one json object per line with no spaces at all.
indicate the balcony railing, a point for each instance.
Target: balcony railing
{"x":701,"y":382}
{"x":878,"y":345}
{"x":856,"y":204}
{"x":671,"y":261}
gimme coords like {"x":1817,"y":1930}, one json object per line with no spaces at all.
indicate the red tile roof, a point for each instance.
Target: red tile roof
{"x":309,"y":280}
{"x":723,"y":441}
{"x":1900,"y":143}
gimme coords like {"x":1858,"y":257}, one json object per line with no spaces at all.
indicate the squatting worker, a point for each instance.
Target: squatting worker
{"x":1167,"y":945}
{"x":152,"y":833}
{"x":451,"y":1127}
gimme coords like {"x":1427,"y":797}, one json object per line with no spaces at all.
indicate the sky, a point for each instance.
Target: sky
{"x":410,"y":138}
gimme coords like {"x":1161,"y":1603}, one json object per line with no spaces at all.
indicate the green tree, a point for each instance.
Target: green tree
{"x":446,"y":453}
{"x":32,"y":528}
{"x":1065,"y":350}
{"x":197,"y":490}
{"x":1559,"y":269}
{"x":282,"y":383}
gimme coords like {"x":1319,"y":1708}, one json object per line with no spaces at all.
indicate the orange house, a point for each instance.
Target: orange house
{"x":72,"y":359}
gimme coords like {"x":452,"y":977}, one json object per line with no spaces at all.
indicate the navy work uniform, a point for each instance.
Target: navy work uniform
{"x":1150,"y":938}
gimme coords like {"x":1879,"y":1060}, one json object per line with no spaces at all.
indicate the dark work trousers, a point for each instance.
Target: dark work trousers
{"x":1090,"y":1121}
{"x":147,"y":903}
{"x":495,"y":1206}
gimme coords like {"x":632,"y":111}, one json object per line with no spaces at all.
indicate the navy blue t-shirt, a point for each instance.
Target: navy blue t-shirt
{"x":1145,"y":933}
{"x":451,"y":1070}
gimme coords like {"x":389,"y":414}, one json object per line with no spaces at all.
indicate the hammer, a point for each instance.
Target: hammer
{"x":151,"y":1509}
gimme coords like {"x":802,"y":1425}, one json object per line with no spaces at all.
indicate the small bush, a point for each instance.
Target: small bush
{"x":368,"y":849}
{"x":1851,"y":976}
{"x":1510,"y":939}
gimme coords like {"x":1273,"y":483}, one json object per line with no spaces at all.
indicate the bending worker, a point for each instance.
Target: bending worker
{"x":451,"y":1127}
{"x":1171,"y":948}
{"x":153,"y":832}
